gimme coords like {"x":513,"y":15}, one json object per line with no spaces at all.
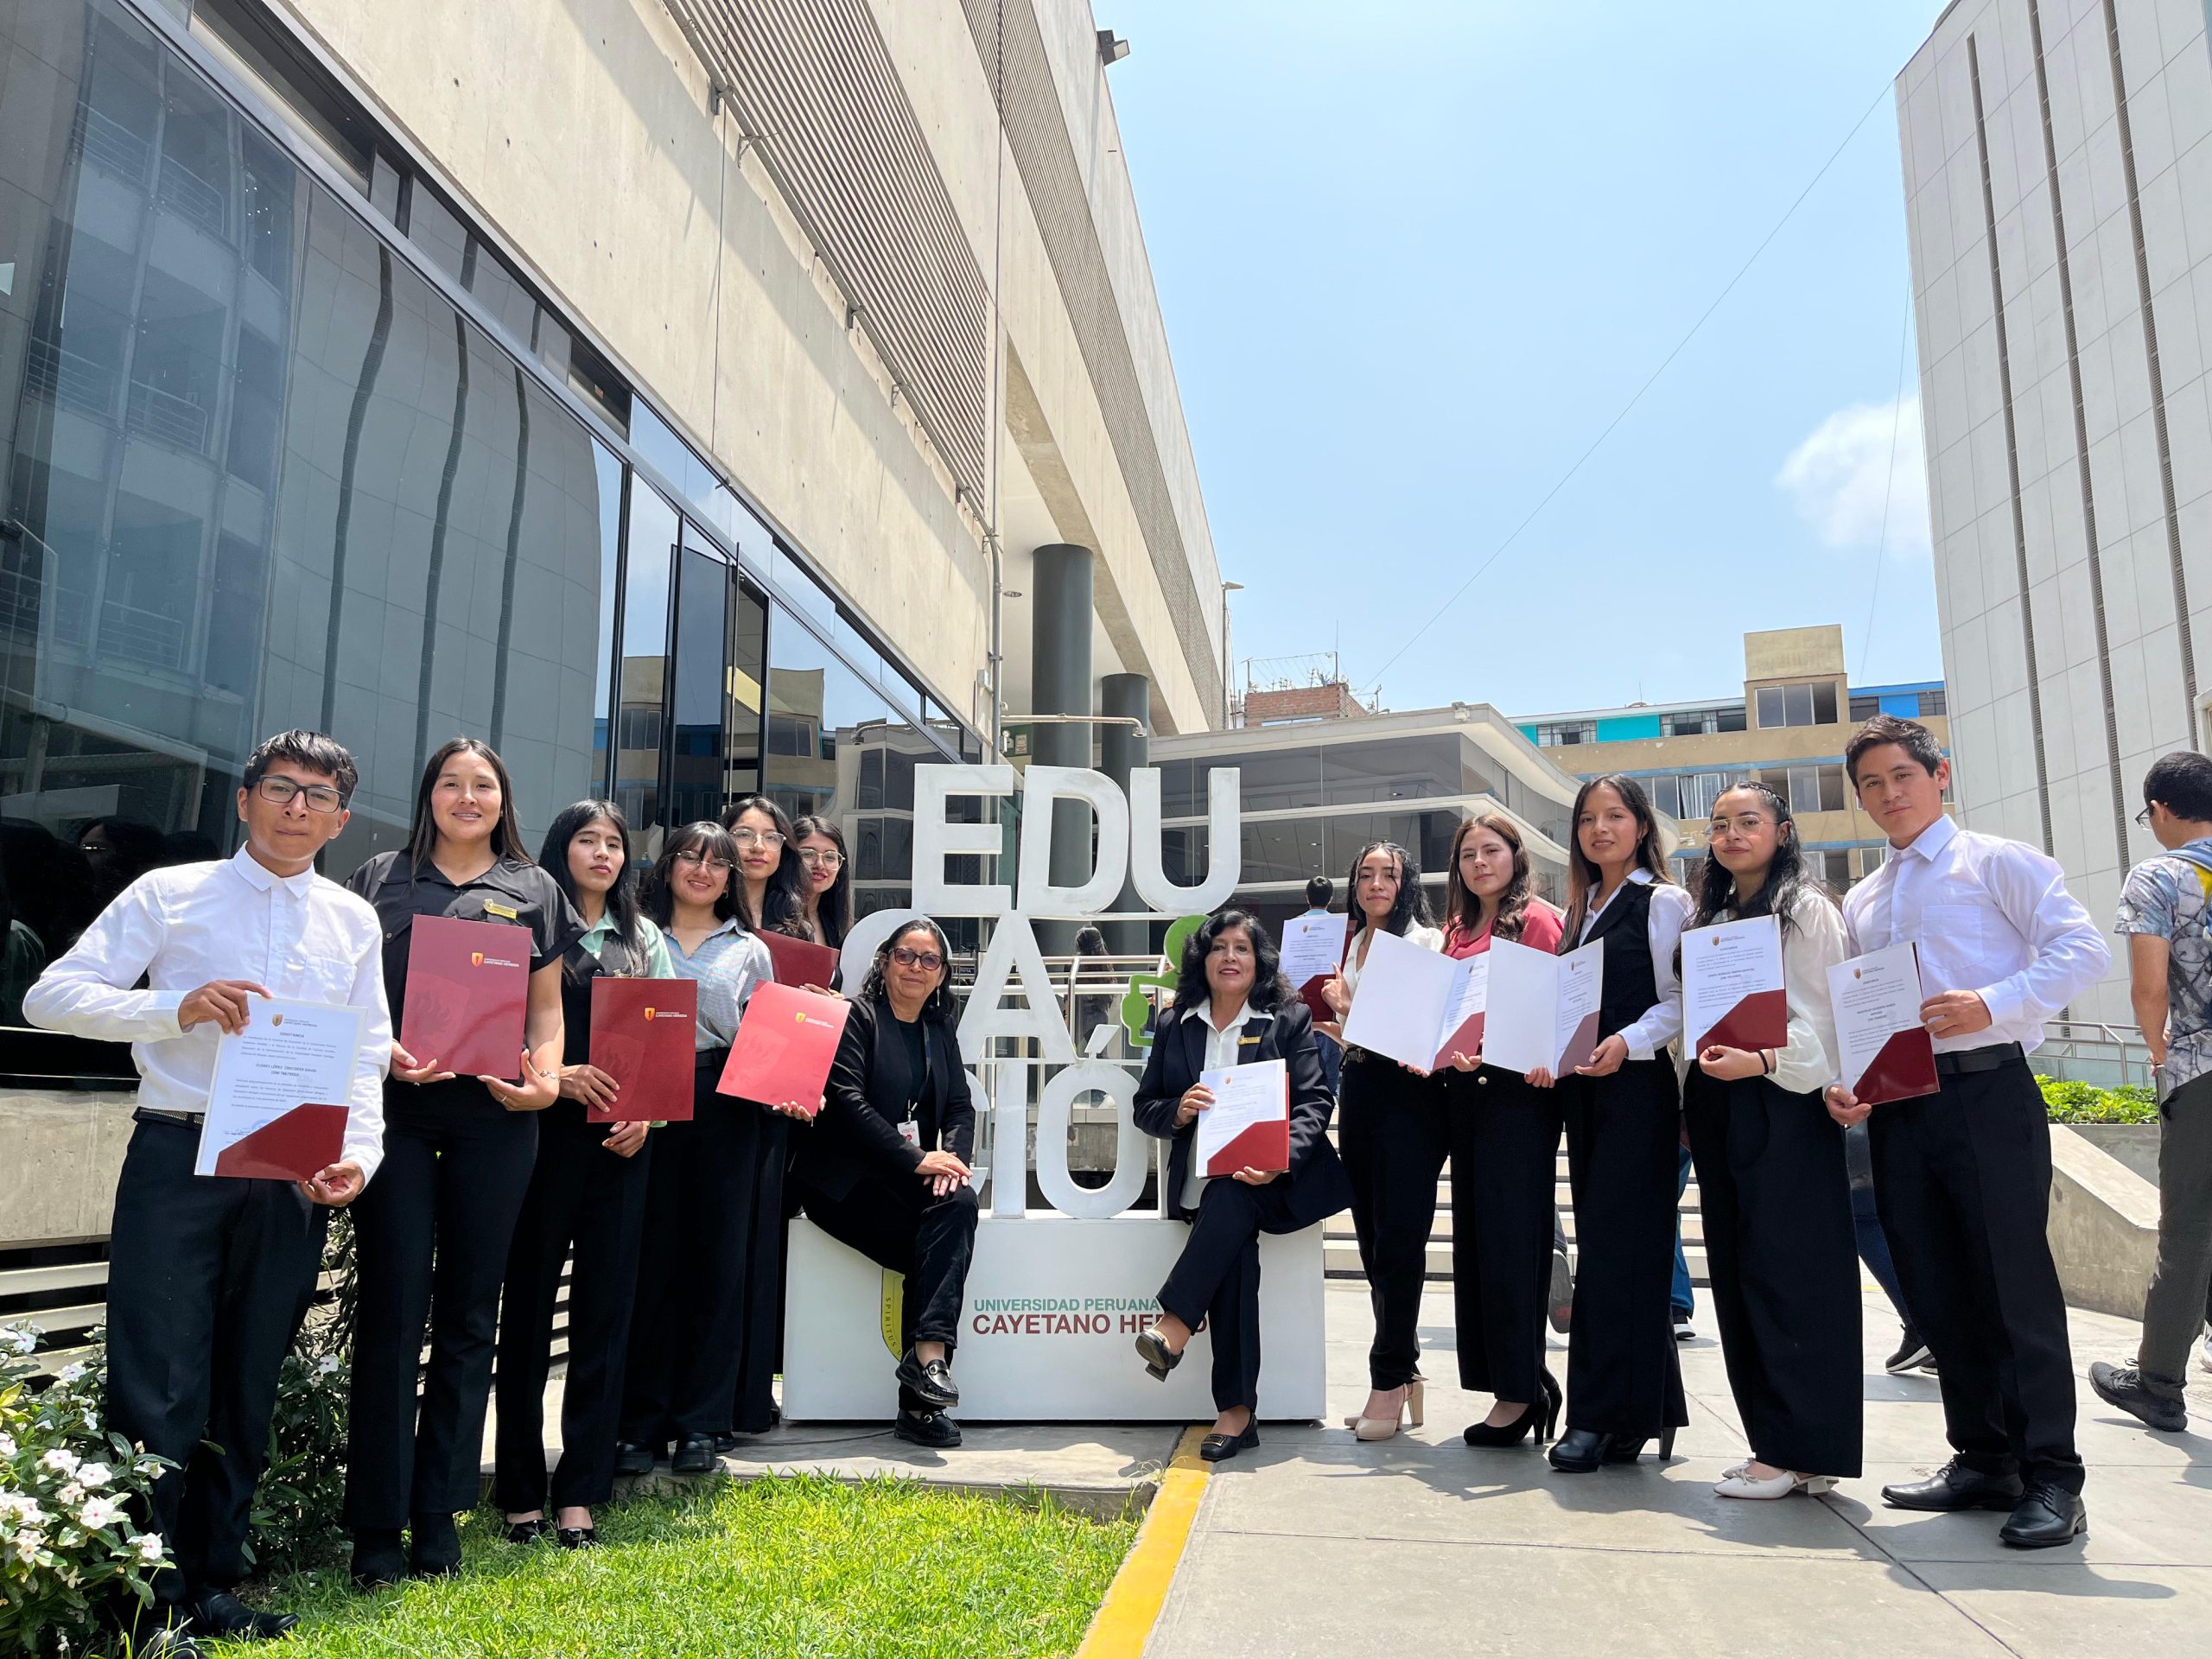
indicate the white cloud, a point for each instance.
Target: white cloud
{"x":1842,"y":475}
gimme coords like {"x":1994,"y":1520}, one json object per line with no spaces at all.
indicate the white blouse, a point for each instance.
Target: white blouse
{"x":1671,"y":909}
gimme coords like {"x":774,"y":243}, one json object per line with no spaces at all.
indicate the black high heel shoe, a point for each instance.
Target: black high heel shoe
{"x":1540,"y":1414}
{"x":1620,"y":1449}
{"x":1581,"y":1450}
{"x":1152,"y":1348}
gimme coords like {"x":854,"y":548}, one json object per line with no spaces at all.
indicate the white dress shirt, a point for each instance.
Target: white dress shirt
{"x":1221,"y":1051}
{"x":1671,"y":909}
{"x":1990,"y":916}
{"x":1813,"y":942}
{"x":303,"y":937}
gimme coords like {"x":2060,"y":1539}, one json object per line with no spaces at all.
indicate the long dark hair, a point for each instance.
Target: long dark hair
{"x":1786,"y":877}
{"x":941,"y":1008}
{"x":836,"y":912}
{"x":621,"y":898}
{"x":1464,"y":906}
{"x":1268,"y":988}
{"x":1583,"y":874}
{"x":507,"y":834}
{"x":708,"y":837}
{"x":782,"y":904}
{"x":1411,"y":909}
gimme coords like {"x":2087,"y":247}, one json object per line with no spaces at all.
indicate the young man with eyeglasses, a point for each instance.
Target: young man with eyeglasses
{"x":2166,"y":912}
{"x":209,"y":1277}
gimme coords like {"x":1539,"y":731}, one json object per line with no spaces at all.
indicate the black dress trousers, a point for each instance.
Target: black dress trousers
{"x":929,"y":1241}
{"x":1962,"y":1179}
{"x":1624,"y":1133}
{"x":1776,"y":1192}
{"x":582,"y":1197}
{"x":1504,"y":1143}
{"x":207,"y":1280}
{"x":433,"y":1230}
{"x":705,"y":1316}
{"x":1216,"y":1279}
{"x":1393,"y":1138}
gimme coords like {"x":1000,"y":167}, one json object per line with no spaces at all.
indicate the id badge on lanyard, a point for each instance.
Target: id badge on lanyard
{"x":909,"y":1130}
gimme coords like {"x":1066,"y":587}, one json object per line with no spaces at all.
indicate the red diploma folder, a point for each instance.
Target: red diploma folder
{"x":644,"y":1035}
{"x":786,"y":1038}
{"x":467,"y":989}
{"x":800,"y":961}
{"x":1903,"y":1069}
{"x":1315,"y":1004}
{"x":303,"y":1142}
{"x":1264,"y":1146}
{"x":1759,"y":1020}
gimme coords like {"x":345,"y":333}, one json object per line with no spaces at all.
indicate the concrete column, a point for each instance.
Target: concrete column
{"x":1061,"y":604}
{"x":1122,"y":751}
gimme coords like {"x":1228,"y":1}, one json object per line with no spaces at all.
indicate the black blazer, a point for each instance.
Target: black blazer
{"x":1317,"y":1185}
{"x":857,"y":1134}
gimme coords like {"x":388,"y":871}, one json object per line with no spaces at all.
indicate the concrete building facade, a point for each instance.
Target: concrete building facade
{"x":2057,"y":171}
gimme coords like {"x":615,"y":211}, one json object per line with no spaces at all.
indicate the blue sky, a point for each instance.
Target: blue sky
{"x":1414,"y":259}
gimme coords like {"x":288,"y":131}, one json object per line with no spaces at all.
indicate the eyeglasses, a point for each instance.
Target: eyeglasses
{"x":2143,"y":818}
{"x":280,"y":792}
{"x":757,"y":838}
{"x":815,"y":859}
{"x":712,"y":866}
{"x":906,"y":956}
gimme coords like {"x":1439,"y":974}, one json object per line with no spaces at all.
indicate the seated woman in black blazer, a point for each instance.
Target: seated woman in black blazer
{"x":886,"y":1168}
{"x":1232,"y":1006}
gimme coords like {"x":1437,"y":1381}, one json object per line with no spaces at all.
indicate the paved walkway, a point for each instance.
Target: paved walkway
{"x":1317,"y":1545}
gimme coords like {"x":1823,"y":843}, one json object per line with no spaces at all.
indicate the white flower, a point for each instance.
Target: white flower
{"x":70,"y":1372}
{"x":6,"y":1446}
{"x":17,"y":1339}
{"x":94,"y":1475}
{"x":99,"y":1512}
{"x":148,"y":1467}
{"x":70,"y":1496}
{"x":27,"y":1544}
{"x":149,"y":1546}
{"x":60,"y":1460}
{"x":92,"y":1423}
{"x":21,"y":1507}
{"x":326,"y":1365}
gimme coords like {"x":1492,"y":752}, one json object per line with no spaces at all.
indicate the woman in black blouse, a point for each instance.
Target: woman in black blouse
{"x":885,"y":1169}
{"x":457,"y":1160}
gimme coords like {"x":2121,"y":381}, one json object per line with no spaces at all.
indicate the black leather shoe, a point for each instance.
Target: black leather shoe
{"x":695,"y":1455}
{"x":2047,"y":1516}
{"x":1152,"y":1348}
{"x":930,"y":1428}
{"x":433,"y":1547}
{"x":220,"y":1613}
{"x":1219,"y":1448}
{"x":1581,"y":1450}
{"x":930,"y":1380}
{"x":1954,"y":1486}
{"x":631,"y":1459}
{"x":2123,"y":1386}
{"x":528,"y":1532}
{"x":379,"y":1559}
{"x":725,"y":1442}
{"x":578,"y":1537}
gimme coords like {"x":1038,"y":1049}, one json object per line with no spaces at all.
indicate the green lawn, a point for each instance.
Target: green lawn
{"x":805,"y":1566}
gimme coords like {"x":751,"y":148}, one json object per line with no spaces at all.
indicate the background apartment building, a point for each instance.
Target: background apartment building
{"x":2057,"y":162}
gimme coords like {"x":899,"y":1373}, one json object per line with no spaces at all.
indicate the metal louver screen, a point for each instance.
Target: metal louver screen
{"x":816,"y":89}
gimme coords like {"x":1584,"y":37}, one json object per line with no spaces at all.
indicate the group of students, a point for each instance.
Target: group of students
{"x":483,"y":1188}
{"x":1962,"y":1177}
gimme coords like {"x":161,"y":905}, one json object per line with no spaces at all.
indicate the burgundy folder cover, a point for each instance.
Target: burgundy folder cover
{"x":786,"y":1038}
{"x":1467,"y":1040}
{"x":1580,"y":1047}
{"x":644,"y":1035}
{"x":1263,"y":1147}
{"x":303,"y":1142}
{"x":1760,"y":1020}
{"x":467,"y":989}
{"x":1317,"y":1004}
{"x":1903,"y":1069}
{"x":800,"y":961}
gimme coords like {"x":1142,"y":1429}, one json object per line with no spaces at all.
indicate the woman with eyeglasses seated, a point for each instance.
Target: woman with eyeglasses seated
{"x":885,"y":1167}
{"x":705,"y":1318}
{"x":825,"y":880}
{"x":1232,"y":1007}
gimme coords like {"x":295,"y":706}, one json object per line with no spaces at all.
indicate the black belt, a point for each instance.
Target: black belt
{"x":156,"y":1115}
{"x":1967,"y":1060}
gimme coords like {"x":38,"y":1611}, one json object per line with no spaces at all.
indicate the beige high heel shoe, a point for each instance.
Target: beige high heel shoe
{"x":1411,"y":1415}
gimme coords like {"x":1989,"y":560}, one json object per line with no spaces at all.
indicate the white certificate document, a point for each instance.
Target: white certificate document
{"x":1251,"y":1104}
{"x":290,"y":1055}
{"x":1413,"y":1003}
{"x":1542,"y":1009}
{"x":1313,"y":947}
{"x":1883,"y":1050}
{"x":1732,"y":993}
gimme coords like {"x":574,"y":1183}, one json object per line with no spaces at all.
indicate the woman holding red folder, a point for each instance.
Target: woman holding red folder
{"x":458,"y":1155}
{"x":1771,"y":1175}
{"x":884,"y":1168}
{"x":702,"y":1336}
{"x":1623,"y":1110}
{"x":1232,"y":1007}
{"x":1394,"y":1142}
{"x":1504,"y":1138}
{"x":588,"y":1193}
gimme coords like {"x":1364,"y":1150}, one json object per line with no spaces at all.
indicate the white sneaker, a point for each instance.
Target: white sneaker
{"x":2204,"y":1353}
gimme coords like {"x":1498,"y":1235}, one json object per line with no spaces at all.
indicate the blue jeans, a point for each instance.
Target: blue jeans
{"x":1680,"y":1298}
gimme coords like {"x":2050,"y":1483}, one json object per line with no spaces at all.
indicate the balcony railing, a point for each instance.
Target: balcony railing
{"x":193,"y":197}
{"x":107,"y":141}
{"x":61,"y":376}
{"x":145,"y":637}
{"x":165,"y":415}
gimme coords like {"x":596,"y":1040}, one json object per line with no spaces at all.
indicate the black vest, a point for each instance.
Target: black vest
{"x":1629,"y":988}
